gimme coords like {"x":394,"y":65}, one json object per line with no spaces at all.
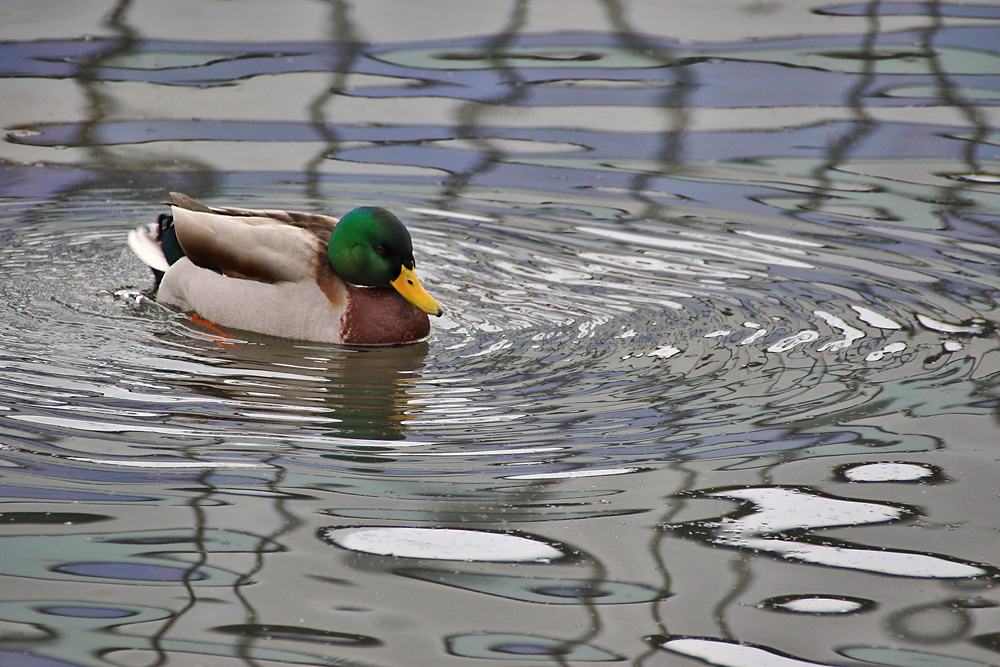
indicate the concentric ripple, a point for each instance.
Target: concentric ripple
{"x":616,"y":341}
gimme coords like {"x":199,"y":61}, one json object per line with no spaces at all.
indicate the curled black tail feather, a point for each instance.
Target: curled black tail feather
{"x":167,"y":236}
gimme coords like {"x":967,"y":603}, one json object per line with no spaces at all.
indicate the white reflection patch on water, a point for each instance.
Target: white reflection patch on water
{"x":791,"y":342}
{"x":885,"y":351}
{"x":664,"y":351}
{"x":454,"y":215}
{"x":731,"y":654}
{"x":759,"y":332}
{"x":574,"y":474}
{"x":894,"y":563}
{"x":494,"y":347}
{"x":443,"y":544}
{"x":777,"y":510}
{"x":888,"y":472}
{"x":977,"y":326}
{"x":139,"y":463}
{"x":772,"y":513}
{"x":776,"y":238}
{"x":817,"y":604}
{"x":91,"y":425}
{"x":850,"y":334}
{"x":877,"y":320}
{"x":514,"y":451}
{"x":991,"y":179}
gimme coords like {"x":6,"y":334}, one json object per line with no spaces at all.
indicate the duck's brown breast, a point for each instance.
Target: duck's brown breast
{"x":380,"y":316}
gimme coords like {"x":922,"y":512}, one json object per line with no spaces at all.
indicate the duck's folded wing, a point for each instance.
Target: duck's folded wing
{"x":247,"y":248}
{"x":250,"y":245}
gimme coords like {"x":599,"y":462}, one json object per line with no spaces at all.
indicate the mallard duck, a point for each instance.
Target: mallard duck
{"x":294,"y":275}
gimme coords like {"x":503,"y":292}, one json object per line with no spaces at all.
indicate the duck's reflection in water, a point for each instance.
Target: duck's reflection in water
{"x":322,"y":391}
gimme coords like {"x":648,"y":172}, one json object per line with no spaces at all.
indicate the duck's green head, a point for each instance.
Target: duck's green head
{"x":370,"y":247}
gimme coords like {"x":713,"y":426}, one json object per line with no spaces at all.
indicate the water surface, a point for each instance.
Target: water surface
{"x":716,"y":382}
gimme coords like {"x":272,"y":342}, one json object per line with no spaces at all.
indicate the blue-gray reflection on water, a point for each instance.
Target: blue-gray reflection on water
{"x":720,"y":338}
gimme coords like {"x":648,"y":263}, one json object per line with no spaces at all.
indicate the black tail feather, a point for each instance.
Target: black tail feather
{"x":167,"y":236}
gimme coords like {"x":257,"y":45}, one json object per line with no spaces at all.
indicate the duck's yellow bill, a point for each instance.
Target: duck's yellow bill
{"x":408,"y":285}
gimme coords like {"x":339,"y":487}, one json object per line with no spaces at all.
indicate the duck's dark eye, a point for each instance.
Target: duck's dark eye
{"x":379,"y":248}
